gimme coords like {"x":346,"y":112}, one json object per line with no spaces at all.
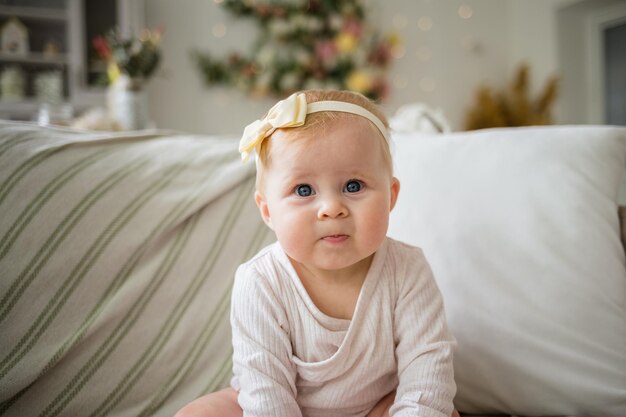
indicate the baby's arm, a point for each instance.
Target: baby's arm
{"x":423,"y":347}
{"x":263,"y":370}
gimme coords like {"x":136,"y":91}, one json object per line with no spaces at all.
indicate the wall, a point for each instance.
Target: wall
{"x":533,"y":38}
{"x":580,"y":51}
{"x":441,"y":66}
{"x":178,"y":98}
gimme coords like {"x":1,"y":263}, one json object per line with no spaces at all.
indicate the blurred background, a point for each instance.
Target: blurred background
{"x":474,"y":62}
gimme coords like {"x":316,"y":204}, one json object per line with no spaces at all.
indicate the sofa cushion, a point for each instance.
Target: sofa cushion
{"x":117,"y":257}
{"x":522,"y":231}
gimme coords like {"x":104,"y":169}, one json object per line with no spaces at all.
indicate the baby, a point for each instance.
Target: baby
{"x":334,"y":319}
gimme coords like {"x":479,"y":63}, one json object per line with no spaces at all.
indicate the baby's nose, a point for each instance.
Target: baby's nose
{"x":332,"y":207}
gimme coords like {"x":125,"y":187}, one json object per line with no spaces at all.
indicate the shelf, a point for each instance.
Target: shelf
{"x":34,"y":58}
{"x":40,"y":13}
{"x":71,"y":25}
{"x":20,"y":106}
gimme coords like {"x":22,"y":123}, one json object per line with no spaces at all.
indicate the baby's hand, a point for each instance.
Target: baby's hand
{"x":382,"y":408}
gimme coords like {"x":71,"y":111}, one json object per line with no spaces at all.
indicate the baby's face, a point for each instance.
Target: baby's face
{"x":328,"y":195}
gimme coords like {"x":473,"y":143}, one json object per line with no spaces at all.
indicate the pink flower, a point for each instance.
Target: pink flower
{"x":102,"y":47}
{"x":326,"y":50}
{"x":381,"y":54}
{"x":353,"y":27}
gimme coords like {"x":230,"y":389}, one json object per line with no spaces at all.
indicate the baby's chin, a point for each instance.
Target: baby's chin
{"x":333,"y":262}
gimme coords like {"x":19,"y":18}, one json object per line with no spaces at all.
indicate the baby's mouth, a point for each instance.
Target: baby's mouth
{"x":338,"y":238}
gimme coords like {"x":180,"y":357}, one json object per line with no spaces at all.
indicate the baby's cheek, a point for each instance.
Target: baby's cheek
{"x":291,"y":239}
{"x":377,"y":227}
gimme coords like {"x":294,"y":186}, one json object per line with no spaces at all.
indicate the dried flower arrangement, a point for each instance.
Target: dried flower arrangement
{"x":514,"y":107}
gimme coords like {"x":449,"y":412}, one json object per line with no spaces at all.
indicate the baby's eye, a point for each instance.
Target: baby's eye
{"x":304,"y":190}
{"x":353,"y":186}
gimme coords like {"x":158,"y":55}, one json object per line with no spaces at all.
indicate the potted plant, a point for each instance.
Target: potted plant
{"x":130,"y":64}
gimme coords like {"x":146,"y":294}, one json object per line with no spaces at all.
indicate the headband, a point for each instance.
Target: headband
{"x":292,"y":112}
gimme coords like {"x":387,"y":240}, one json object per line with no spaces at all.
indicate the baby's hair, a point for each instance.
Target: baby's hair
{"x":320,"y":119}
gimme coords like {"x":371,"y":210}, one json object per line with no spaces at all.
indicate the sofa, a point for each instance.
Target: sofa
{"x":118,"y":249}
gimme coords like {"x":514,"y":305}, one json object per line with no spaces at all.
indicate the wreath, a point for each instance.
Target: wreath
{"x":322,"y":44}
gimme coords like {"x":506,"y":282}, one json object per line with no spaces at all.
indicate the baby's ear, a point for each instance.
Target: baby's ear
{"x":395,"y":190}
{"x":261,"y":203}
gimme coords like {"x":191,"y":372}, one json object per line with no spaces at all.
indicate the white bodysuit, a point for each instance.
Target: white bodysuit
{"x":291,"y":360}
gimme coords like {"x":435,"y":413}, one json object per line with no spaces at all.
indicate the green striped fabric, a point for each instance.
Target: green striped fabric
{"x":117,"y":255}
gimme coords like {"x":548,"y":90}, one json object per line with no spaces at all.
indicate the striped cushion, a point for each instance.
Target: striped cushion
{"x":117,"y":253}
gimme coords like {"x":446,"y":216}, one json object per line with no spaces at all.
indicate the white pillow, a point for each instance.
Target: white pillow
{"x":522,"y":232}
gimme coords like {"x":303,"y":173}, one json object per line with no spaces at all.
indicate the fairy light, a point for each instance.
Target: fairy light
{"x":219,"y":30}
{"x":398,"y":51}
{"x":425,"y":23}
{"x":465,"y":11}
{"x":472,"y":45}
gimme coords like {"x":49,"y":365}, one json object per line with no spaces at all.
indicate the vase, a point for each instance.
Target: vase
{"x":127,"y":103}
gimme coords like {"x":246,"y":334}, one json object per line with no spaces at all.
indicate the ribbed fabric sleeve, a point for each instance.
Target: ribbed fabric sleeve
{"x":262,"y":349}
{"x":423,"y":346}
{"x":290,"y":359}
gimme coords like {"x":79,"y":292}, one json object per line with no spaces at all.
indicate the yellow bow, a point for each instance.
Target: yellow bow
{"x":290,"y":112}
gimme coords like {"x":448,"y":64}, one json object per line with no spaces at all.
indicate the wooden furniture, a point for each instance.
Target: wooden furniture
{"x":60,"y":36}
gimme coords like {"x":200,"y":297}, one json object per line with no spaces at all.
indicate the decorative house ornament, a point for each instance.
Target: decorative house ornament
{"x":14,"y":37}
{"x":302,"y":45}
{"x":51,"y":48}
{"x":12,"y":83}
{"x":48,"y":86}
